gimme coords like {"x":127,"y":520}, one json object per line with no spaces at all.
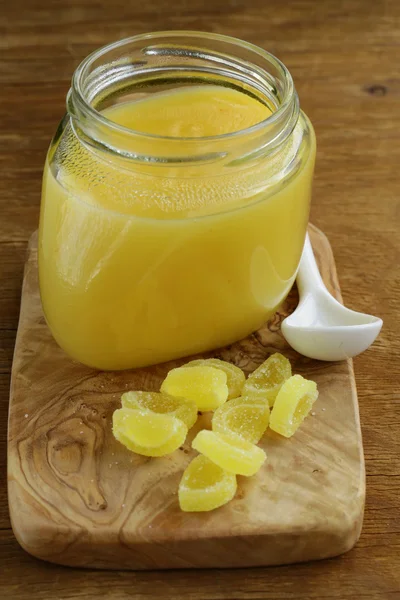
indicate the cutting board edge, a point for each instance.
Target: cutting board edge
{"x":268,"y":550}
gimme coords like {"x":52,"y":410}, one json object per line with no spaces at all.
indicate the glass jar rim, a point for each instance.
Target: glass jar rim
{"x":79,"y":105}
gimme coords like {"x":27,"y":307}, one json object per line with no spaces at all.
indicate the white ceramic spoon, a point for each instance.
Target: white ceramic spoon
{"x":321,"y":327}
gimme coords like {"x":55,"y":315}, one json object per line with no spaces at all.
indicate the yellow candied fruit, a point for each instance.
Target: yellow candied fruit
{"x":292,"y":405}
{"x":183,"y":409}
{"x":206,"y":386}
{"x":230,"y":452}
{"x":266,"y":381}
{"x":148,"y":433}
{"x":205,"y":486}
{"x":245,"y":417}
{"x":235,"y":376}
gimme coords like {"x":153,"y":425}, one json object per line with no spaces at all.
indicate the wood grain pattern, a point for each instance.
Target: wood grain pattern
{"x":78,"y":497}
{"x":345,"y":59}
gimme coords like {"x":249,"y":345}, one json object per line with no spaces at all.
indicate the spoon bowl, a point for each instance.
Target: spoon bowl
{"x":321,"y":327}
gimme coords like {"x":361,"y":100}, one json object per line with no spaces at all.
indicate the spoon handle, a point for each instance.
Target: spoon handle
{"x":308,"y":275}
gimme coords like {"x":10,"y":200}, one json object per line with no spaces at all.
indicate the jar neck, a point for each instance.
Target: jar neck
{"x":164,"y":60}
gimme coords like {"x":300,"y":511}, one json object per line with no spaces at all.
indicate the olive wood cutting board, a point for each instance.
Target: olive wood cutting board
{"x":78,"y":497}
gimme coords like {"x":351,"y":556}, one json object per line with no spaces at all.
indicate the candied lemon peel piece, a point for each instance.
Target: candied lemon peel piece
{"x":158,"y":402}
{"x":148,"y":433}
{"x":293,"y":403}
{"x":235,"y":375}
{"x":266,"y":381}
{"x":205,"y":486}
{"x":206,"y":386}
{"x":231,"y":452}
{"x":246,"y":417}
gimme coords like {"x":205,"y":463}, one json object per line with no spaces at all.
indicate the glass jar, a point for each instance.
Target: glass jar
{"x":154,"y":247}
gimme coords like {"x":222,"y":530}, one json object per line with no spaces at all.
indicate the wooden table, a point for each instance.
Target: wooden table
{"x":344,"y":56}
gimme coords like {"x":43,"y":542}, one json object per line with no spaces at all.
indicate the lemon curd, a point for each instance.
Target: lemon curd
{"x":148,"y":254}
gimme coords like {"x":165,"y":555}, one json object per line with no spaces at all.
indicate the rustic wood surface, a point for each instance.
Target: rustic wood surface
{"x":79,"y":498}
{"x":345,"y":57}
